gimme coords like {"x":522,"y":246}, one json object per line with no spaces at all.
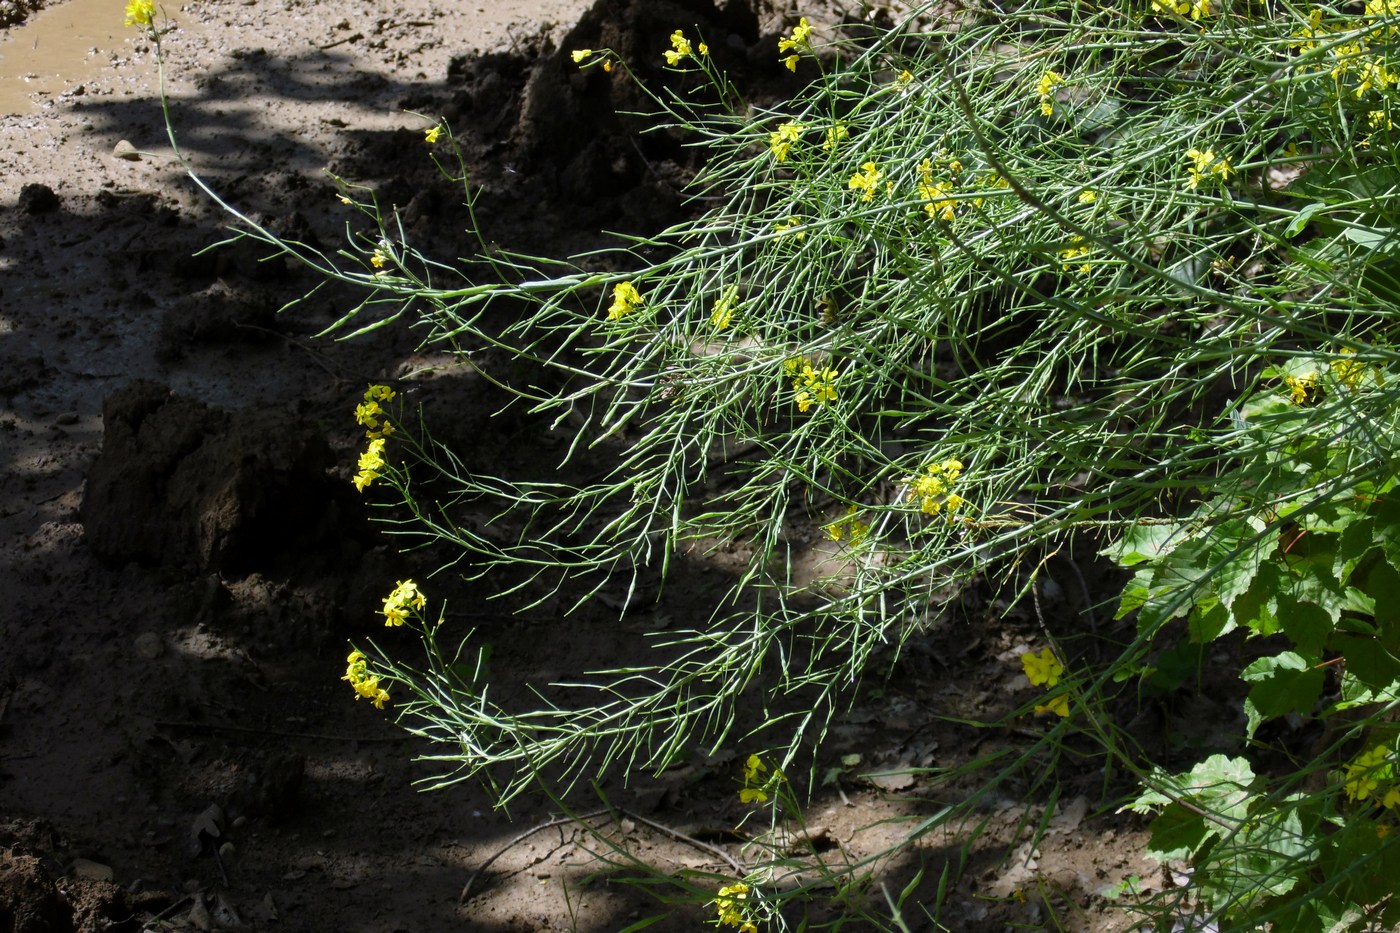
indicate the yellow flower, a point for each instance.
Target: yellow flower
{"x":933,"y":487}
{"x":753,"y":767}
{"x":799,"y":39}
{"x":904,"y":77}
{"x":1391,"y":799}
{"x":371,"y":462}
{"x":1088,"y":196}
{"x":432,"y":135}
{"x":1059,"y":705}
{"x":1196,"y":9}
{"x":813,"y":386}
{"x":578,"y":55}
{"x":1043,"y":669}
{"x":866,"y":180}
{"x":1203,"y":161}
{"x":680,"y":48}
{"x":1302,"y":390}
{"x":1365,"y":773}
{"x":703,"y":49}
{"x":140,"y":12}
{"x":405,"y":597}
{"x":364,"y":683}
{"x":380,"y":257}
{"x":730,"y":903}
{"x":723,"y":313}
{"x":783,"y":226}
{"x":836,"y":134}
{"x":781,"y":142}
{"x":1045,"y":90}
{"x":626,"y":299}
{"x":379,"y":393}
{"x":790,"y":63}
{"x":851,"y":526}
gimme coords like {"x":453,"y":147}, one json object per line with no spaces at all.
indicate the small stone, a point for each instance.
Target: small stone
{"x":35,"y":198}
{"x":68,"y":417}
{"x":199,"y":915}
{"x":125,"y":150}
{"x":148,"y":645}
{"x":226,"y":850}
{"x":92,"y":871}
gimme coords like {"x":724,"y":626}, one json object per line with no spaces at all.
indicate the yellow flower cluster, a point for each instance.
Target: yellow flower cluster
{"x":369,"y":413}
{"x":681,"y":49}
{"x":937,"y":195}
{"x":757,"y":788}
{"x":1366,"y":774}
{"x":723,"y":314}
{"x":140,"y":13}
{"x":365,"y":684}
{"x":1302,"y":390}
{"x":792,"y":223}
{"x":1196,"y":9}
{"x":433,"y":134}
{"x":626,"y":299}
{"x":1044,"y":670}
{"x":781,"y":142}
{"x":798,"y":40}
{"x":933,"y":487}
{"x":1362,"y":61}
{"x":731,"y":902}
{"x":867,"y":180}
{"x":580,"y":55}
{"x":849,"y":527}
{"x":1352,"y":373}
{"x":813,"y":385}
{"x":371,"y":464}
{"x":836,"y":134}
{"x":1045,"y":90}
{"x":1077,"y":249}
{"x":1204,"y":162}
{"x":405,"y":598}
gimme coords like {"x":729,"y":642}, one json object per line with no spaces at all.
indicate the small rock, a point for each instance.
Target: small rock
{"x":92,"y":871}
{"x":148,"y":645}
{"x":125,"y":150}
{"x":270,"y":906}
{"x":68,"y":417}
{"x":35,"y":198}
{"x":226,"y":850}
{"x":199,"y":916}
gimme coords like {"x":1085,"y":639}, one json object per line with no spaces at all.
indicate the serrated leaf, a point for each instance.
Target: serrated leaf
{"x":1177,"y":833}
{"x":1353,"y":544}
{"x":1285,"y":683}
{"x":1143,"y":543}
{"x":1369,"y":663}
{"x":1306,"y":623}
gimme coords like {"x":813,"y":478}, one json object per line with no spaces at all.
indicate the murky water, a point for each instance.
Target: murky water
{"x":58,"y":49}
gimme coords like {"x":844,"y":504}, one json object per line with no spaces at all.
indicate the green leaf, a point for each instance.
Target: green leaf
{"x":1353,"y":544}
{"x":1369,"y":663}
{"x":1144,"y":543}
{"x":1177,"y":833}
{"x":1285,"y":683}
{"x":1308,"y":624}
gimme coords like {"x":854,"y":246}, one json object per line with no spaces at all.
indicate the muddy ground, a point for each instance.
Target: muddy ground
{"x":183,"y":560}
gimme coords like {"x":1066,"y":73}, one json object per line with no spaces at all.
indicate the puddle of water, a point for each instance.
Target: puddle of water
{"x":57,"y":49}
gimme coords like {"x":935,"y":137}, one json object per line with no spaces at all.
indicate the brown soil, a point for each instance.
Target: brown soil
{"x":183,"y":560}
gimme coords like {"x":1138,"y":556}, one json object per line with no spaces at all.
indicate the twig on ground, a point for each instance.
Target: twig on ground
{"x":617,"y":814}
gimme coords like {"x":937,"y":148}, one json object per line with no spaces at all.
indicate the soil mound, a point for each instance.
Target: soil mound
{"x":184,"y":485}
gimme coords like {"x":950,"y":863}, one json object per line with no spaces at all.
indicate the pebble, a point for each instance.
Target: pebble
{"x":92,"y":871}
{"x":66,"y":418}
{"x":125,"y":150}
{"x":199,"y":915}
{"x":148,"y":645}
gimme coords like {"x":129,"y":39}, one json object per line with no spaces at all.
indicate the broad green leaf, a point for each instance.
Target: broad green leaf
{"x":1308,"y":624}
{"x":1285,"y":683}
{"x":1177,"y":833}
{"x":1369,"y":663}
{"x":1144,"y":543}
{"x":1353,"y":544}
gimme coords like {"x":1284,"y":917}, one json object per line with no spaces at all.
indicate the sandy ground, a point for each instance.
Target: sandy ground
{"x":176,"y":751}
